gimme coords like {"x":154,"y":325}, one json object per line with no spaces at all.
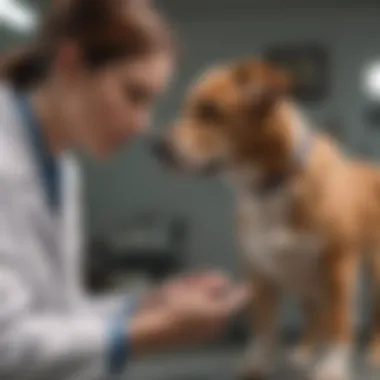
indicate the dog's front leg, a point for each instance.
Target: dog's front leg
{"x":373,"y":355}
{"x":304,"y":354}
{"x":259,"y":358}
{"x":339,"y":271}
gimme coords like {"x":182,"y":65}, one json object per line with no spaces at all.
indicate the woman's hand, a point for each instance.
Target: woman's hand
{"x":208,"y":281}
{"x":190,"y":310}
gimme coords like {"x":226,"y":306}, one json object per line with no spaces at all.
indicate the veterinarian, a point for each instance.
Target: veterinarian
{"x":89,"y":83}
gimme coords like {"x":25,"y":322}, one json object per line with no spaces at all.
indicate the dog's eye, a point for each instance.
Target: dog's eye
{"x":208,"y":111}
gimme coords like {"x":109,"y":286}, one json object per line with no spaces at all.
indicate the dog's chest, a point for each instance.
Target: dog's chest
{"x":272,"y":245}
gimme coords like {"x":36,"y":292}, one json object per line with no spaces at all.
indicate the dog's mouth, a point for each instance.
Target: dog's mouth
{"x":165,"y":153}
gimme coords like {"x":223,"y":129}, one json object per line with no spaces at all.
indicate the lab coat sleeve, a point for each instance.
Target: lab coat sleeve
{"x":124,"y":304}
{"x":37,"y":344}
{"x":50,"y":345}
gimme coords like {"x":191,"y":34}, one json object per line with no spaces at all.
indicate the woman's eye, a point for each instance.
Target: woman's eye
{"x":137,"y":95}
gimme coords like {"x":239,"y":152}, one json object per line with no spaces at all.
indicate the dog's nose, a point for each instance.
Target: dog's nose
{"x":161,"y":149}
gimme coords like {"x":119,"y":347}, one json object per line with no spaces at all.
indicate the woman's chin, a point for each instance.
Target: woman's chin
{"x":103,"y":152}
{"x":100,"y":152}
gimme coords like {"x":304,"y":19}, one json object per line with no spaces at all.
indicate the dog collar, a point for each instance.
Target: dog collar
{"x":301,"y":152}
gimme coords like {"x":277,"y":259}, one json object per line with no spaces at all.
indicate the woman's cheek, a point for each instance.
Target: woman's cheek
{"x":111,"y":108}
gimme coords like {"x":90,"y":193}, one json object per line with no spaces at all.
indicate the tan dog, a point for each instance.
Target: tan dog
{"x":305,"y":210}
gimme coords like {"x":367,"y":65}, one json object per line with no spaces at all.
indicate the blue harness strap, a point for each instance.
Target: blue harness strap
{"x":47,"y":164}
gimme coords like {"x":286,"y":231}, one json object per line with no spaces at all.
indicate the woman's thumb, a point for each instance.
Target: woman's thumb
{"x":237,"y":299}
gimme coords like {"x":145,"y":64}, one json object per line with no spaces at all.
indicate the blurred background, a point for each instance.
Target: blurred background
{"x":145,"y":224}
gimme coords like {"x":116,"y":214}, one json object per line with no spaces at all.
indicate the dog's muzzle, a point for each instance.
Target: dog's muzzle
{"x":165,"y":153}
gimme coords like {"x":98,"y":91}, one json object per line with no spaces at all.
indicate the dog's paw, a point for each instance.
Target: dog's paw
{"x":301,"y":357}
{"x":373,"y":355}
{"x":335,"y":365}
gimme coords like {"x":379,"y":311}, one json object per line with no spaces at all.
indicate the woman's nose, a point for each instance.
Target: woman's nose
{"x":142,"y":121}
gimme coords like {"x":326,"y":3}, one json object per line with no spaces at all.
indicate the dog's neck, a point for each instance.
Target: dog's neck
{"x":267,"y":176}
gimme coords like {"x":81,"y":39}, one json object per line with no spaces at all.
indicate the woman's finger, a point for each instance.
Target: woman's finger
{"x":236,"y":300}
{"x":212,"y":282}
{"x":207,"y":277}
{"x":205,"y":282}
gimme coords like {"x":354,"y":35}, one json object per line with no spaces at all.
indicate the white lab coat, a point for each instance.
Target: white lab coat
{"x":48,"y":328}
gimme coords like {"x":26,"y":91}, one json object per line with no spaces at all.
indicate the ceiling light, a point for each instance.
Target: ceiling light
{"x":17,"y":16}
{"x":371,"y":80}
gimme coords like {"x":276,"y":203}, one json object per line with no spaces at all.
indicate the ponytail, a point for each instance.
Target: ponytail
{"x":24,"y":68}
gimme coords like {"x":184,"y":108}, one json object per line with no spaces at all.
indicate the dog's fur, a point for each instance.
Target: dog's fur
{"x":306,"y":235}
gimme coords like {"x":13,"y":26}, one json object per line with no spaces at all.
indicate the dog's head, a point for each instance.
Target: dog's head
{"x":228,"y":118}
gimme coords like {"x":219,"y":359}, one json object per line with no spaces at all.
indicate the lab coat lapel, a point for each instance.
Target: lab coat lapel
{"x":40,"y":261}
{"x":71,"y":231}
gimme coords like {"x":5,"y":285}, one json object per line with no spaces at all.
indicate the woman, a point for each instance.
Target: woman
{"x":90,"y":83}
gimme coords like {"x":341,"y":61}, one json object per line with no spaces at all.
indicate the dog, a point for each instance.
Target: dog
{"x":306,"y":213}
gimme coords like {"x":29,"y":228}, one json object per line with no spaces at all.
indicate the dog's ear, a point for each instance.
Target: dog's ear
{"x":262,"y":86}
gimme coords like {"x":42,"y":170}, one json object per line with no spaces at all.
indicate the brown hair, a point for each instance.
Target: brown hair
{"x":105,"y":30}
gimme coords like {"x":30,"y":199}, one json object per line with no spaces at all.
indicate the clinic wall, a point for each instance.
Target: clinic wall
{"x":133,"y":181}
{"x":9,"y":38}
